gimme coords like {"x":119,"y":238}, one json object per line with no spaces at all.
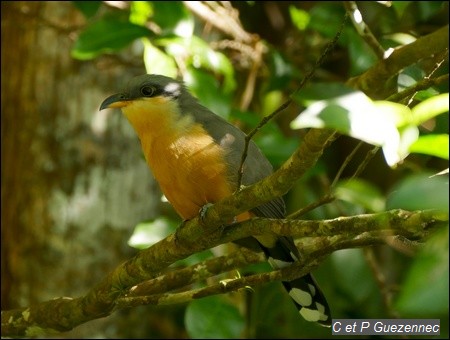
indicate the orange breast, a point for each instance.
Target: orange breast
{"x":188,"y":165}
{"x":190,"y":169}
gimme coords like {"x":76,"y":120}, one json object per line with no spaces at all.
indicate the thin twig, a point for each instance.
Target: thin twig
{"x":205,"y":269}
{"x":297,"y":269}
{"x":329,"y":47}
{"x":366,"y":161}
{"x":422,"y":85}
{"x":225,"y":22}
{"x":385,"y":290}
{"x":345,"y":163}
{"x":328,"y":198}
{"x":251,"y":79}
{"x":361,"y":27}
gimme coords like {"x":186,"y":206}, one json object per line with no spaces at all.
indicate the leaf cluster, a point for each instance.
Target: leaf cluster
{"x":381,"y":85}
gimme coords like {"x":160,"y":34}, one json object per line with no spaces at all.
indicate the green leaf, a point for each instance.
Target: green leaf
{"x":399,"y":113}
{"x":409,"y":77}
{"x":148,"y":233}
{"x":156,"y":61}
{"x":206,"y":88}
{"x":353,"y":277}
{"x":108,"y":34}
{"x":281,"y":70}
{"x":326,"y":18}
{"x":425,"y":289}
{"x":140,"y":12}
{"x":430,"y":108}
{"x":276,"y":146}
{"x":88,"y":8}
{"x":213,"y":318}
{"x":361,"y":55}
{"x":433,"y":145}
{"x":321,"y":91}
{"x":353,"y":114}
{"x":300,"y":18}
{"x":427,"y":9}
{"x":173,"y":17}
{"x":201,"y":55}
{"x":400,"y":6}
{"x":408,"y":136}
{"x":361,"y":192}
{"x":420,"y":192}
{"x":356,"y":115}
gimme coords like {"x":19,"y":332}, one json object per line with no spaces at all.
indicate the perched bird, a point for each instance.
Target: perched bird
{"x":195,"y":156}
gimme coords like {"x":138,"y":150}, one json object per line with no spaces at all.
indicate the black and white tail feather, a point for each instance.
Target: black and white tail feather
{"x":304,"y":291}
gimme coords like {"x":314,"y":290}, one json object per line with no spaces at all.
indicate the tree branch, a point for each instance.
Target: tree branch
{"x":63,"y":314}
{"x":220,"y":18}
{"x":179,"y":278}
{"x":422,"y":85}
{"x":374,"y":82}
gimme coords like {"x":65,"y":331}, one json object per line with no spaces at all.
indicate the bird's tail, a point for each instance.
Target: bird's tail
{"x":304,"y":291}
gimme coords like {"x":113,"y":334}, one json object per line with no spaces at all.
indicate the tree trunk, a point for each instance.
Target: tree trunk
{"x":74,"y":182}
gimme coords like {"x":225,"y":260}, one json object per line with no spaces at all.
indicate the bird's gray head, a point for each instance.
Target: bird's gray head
{"x":146,"y":86}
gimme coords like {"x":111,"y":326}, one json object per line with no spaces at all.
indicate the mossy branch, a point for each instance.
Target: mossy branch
{"x":376,"y":81}
{"x":116,"y":290}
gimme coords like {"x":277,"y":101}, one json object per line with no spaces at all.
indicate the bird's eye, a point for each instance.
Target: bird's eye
{"x":148,"y":91}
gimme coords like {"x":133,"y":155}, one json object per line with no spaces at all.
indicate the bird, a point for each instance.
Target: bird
{"x":195,"y":156}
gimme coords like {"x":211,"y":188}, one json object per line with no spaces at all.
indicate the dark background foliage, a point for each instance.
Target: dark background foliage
{"x":74,"y":183}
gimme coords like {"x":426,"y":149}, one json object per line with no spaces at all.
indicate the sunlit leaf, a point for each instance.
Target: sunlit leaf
{"x":430,"y":108}
{"x":213,"y":318}
{"x":200,"y":55}
{"x":433,"y":145}
{"x":396,"y":153}
{"x":399,"y":113}
{"x":156,"y":61}
{"x":271,"y":101}
{"x":300,"y":18}
{"x":353,"y":114}
{"x":380,"y":123}
{"x":140,"y":12}
{"x":401,"y":38}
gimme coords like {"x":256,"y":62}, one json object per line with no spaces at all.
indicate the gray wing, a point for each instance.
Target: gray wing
{"x":256,"y":166}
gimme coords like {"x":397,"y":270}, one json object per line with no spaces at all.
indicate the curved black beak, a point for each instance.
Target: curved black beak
{"x":116,"y":100}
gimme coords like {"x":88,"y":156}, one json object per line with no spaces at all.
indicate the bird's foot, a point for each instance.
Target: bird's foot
{"x":203,"y":210}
